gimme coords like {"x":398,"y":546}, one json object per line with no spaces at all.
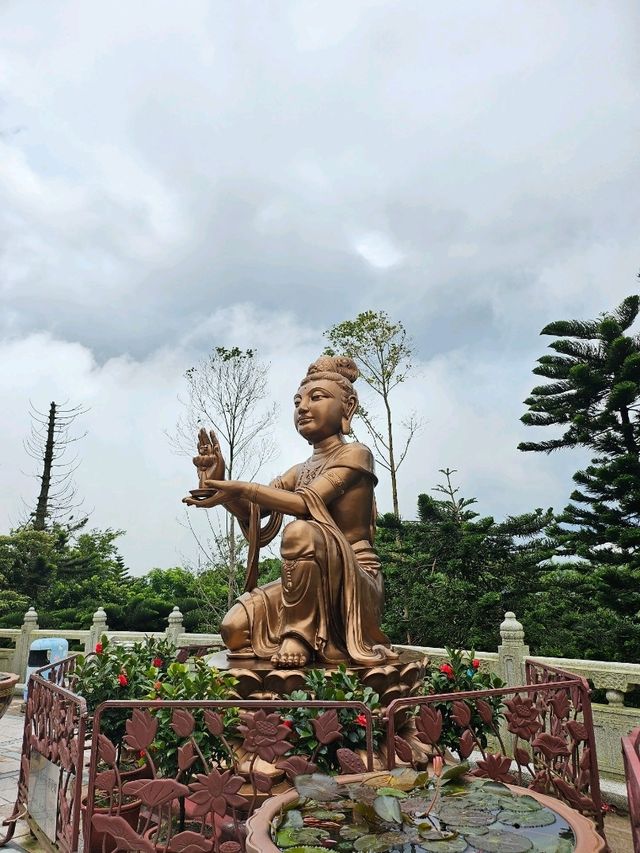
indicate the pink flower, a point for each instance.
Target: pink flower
{"x":475,"y":663}
{"x":360,"y":720}
{"x":98,"y":648}
{"x":157,"y":662}
{"x":123,"y":680}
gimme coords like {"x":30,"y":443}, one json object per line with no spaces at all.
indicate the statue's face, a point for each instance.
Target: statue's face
{"x":318,"y":410}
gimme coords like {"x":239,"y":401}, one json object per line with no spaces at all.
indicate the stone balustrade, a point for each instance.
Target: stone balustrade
{"x":612,"y":720}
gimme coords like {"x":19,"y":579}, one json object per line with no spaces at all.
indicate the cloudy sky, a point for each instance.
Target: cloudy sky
{"x":179,"y":176}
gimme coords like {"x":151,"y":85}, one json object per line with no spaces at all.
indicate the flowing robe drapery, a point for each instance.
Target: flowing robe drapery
{"x":337,"y":601}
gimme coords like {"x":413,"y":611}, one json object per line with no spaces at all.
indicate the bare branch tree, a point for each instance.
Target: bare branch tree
{"x":228,"y":390}
{"x":49,"y":441}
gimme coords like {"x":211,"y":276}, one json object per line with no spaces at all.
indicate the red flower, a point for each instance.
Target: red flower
{"x":475,"y":663}
{"x":288,"y":724}
{"x":123,"y":680}
{"x":98,"y":648}
{"x":157,"y":662}
{"x":447,"y":669}
{"x":360,"y":720}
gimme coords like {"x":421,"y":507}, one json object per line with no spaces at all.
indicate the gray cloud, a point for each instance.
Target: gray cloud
{"x":182,"y":176}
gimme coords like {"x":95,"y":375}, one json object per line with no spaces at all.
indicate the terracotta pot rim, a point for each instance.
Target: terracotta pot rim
{"x":258,"y":825}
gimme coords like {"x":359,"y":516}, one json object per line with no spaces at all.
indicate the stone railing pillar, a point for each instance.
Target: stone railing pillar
{"x":98,"y":628}
{"x":21,"y":654}
{"x":174,"y":625}
{"x":512,"y":651}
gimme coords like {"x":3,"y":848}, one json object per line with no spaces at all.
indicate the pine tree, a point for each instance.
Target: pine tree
{"x":594,"y":394}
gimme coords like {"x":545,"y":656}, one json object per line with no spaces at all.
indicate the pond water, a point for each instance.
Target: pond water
{"x":407,"y":812}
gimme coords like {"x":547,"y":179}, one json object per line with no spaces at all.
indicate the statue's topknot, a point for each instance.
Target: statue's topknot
{"x":336,"y":364}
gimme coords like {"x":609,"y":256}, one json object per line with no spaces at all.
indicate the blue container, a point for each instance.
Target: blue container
{"x":42,"y":652}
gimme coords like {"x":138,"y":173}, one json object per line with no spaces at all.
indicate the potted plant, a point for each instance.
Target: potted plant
{"x":8,"y":681}
{"x":466,"y":725}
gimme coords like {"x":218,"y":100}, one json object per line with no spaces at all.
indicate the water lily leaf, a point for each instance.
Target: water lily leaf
{"x":445,"y":845}
{"x":388,"y":808}
{"x":362,"y":793}
{"x":415,"y":805}
{"x":455,"y":772}
{"x":393,"y":838}
{"x":292,"y":817}
{"x":522,"y":804}
{"x":306,"y":849}
{"x":405,"y":779}
{"x":369,"y":844}
{"x":542,"y":817}
{"x":327,"y":814}
{"x":466,"y":817}
{"x":472,"y":830}
{"x":317,"y":787}
{"x":349,"y":833}
{"x":500,"y":841}
{"x":295,"y":836}
{"x":497,"y":788}
{"x":554,"y":845}
{"x":392,"y":792}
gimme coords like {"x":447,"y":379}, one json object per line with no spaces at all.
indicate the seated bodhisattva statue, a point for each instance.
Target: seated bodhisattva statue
{"x":327,"y":605}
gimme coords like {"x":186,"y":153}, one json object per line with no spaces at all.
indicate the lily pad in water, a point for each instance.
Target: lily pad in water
{"x":500,"y":841}
{"x":445,"y":845}
{"x":525,"y":803}
{"x":542,"y":817}
{"x":388,"y":808}
{"x":295,"y":836}
{"x":370,"y":844}
{"x":317,"y":786}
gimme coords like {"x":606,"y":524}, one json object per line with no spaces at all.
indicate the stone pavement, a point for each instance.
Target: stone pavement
{"x":617,"y":826}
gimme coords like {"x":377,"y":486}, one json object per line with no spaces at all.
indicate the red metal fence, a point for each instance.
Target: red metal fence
{"x":631,"y":755}
{"x":184,"y":775}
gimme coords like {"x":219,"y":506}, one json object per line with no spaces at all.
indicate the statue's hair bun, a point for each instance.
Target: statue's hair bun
{"x":335,"y":364}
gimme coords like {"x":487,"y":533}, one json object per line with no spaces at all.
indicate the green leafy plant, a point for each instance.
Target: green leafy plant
{"x":182,"y":681}
{"x":116,"y":671}
{"x":460,"y":673}
{"x":339,"y":685}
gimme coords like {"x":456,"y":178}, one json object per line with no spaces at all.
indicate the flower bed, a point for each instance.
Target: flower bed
{"x":207,"y":759}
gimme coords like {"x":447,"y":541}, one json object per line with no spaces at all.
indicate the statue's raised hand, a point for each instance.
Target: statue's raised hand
{"x":209,"y":461}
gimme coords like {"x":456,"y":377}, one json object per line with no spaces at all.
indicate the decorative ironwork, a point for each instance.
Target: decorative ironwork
{"x":186,"y":774}
{"x":631,"y":755}
{"x":546,"y":741}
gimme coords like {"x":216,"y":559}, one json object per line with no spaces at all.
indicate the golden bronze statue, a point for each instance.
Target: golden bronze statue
{"x":327,"y":605}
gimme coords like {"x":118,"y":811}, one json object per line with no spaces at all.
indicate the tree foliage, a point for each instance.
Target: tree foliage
{"x":450,"y":575}
{"x":383,"y":353}
{"x":593,"y":395}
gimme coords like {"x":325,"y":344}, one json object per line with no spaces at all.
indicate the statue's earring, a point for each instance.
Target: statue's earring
{"x":346,"y":426}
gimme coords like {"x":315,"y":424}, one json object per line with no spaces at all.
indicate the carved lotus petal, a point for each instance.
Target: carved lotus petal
{"x":326,"y":727}
{"x":214,"y":723}
{"x":141,"y":730}
{"x":466,"y":745}
{"x":461,"y":713}
{"x":182,"y":722}
{"x":403,"y":749}
{"x":429,"y":724}
{"x":485,"y":711}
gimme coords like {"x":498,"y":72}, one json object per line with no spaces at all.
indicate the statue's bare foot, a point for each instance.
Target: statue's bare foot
{"x":292,"y":652}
